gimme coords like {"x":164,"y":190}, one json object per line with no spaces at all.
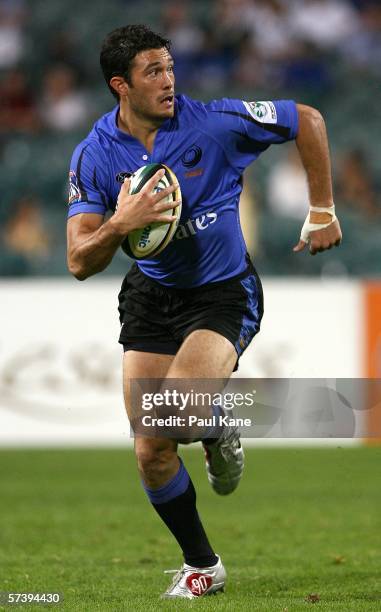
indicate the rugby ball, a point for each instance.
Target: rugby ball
{"x":149,"y":241}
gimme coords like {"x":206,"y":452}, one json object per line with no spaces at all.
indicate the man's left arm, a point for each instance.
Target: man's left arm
{"x":321,"y":228}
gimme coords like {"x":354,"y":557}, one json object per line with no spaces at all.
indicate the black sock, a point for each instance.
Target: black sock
{"x":175,"y":503}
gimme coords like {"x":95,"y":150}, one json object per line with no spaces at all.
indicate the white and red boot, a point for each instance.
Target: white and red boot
{"x":192,"y":582}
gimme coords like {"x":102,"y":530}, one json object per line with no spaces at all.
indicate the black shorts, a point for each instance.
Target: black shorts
{"x":157,"y":319}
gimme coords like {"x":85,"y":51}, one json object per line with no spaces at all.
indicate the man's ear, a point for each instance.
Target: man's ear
{"x":119,"y":84}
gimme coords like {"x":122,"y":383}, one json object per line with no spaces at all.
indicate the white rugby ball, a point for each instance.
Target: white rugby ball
{"x":149,"y":241}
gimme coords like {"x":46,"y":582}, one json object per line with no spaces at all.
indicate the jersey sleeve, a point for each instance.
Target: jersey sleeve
{"x":246,"y":129}
{"x":87,"y":182}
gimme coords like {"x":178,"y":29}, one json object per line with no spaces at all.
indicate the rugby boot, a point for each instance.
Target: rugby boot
{"x":192,"y":582}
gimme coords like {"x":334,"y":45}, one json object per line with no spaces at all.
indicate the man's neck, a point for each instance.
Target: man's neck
{"x":142,"y":129}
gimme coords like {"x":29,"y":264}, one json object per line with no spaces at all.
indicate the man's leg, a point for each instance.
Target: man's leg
{"x":204,"y":354}
{"x":164,"y":476}
{"x":209,"y":355}
{"x":157,"y":458}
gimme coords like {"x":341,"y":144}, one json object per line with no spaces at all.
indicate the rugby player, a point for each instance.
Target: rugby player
{"x":191,"y":311}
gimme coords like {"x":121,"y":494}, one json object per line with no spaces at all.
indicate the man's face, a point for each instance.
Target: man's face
{"x":151,"y":93}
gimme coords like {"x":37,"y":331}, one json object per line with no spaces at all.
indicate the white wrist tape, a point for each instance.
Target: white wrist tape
{"x":312,"y":227}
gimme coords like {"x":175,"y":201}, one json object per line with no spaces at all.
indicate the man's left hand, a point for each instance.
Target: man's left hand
{"x":321,"y":239}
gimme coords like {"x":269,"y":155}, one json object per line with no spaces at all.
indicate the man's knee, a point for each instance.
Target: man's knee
{"x":155,"y":458}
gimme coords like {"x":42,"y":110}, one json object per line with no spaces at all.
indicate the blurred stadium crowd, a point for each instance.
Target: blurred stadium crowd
{"x":326,"y":53}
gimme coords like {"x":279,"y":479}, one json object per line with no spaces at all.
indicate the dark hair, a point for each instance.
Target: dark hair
{"x":121,"y":46}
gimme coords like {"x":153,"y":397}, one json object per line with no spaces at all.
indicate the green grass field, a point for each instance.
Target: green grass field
{"x":303,"y":522}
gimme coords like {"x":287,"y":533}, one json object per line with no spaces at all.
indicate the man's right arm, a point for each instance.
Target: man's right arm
{"x":91,"y":243}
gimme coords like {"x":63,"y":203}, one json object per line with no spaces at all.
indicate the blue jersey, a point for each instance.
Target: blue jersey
{"x":208,"y":146}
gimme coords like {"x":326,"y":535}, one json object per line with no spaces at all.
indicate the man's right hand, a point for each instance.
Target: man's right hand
{"x":141,"y":209}
{"x":93,"y":243}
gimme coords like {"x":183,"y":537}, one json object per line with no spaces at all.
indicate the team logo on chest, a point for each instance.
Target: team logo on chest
{"x":192,"y":156}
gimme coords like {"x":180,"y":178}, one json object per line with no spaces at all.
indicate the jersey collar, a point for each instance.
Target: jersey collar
{"x":120,"y":135}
